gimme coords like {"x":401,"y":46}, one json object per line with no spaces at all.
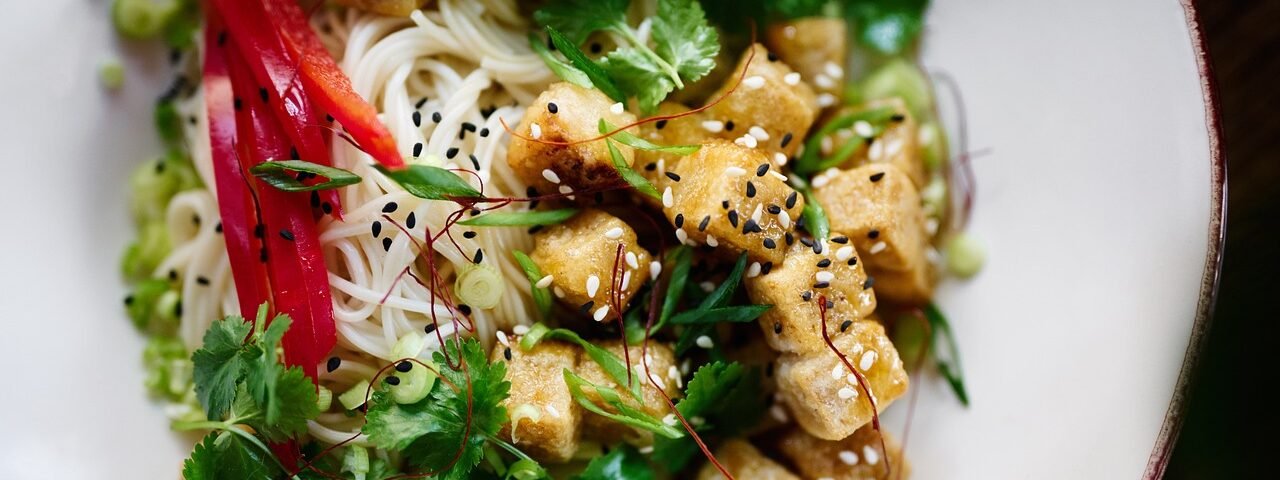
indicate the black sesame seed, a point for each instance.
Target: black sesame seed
{"x":762,"y":169}
{"x":474,"y":212}
{"x":852,"y":261}
{"x":873,"y":234}
{"x":817,"y":247}
{"x":484,"y":132}
{"x":791,"y":200}
{"x":506,"y":353}
{"x":218,"y":228}
{"x":651,"y":167}
{"x":469,"y":234}
{"x":237,"y":104}
{"x":773,"y":209}
{"x":806,"y":241}
{"x":192,"y":120}
{"x":160,"y":167}
{"x":177,"y":309}
{"x":535,"y":229}
{"x":586,"y":307}
{"x":196,"y":220}
{"x":417,"y":119}
{"x":128,"y":300}
{"x":430,"y":328}
{"x":262,"y":255}
{"x":845,"y":325}
{"x":660,"y":124}
{"x":468,"y":126}
{"x":475,"y":162}
{"x":871,"y":282}
{"x":750,"y":226}
{"x":766,"y":267}
{"x":411,"y":220}
{"x":451,"y":152}
{"x":841,"y":239}
{"x":417,"y":149}
{"x":822,"y":285}
{"x":875,"y":177}
{"x":679,"y":220}
{"x":551,"y":107}
{"x":770,"y":244}
{"x":824,"y":263}
{"x":386,"y":244}
{"x":326,"y":208}
{"x":530,"y":192}
{"x":377,"y":229}
{"x":733,"y":218}
{"x":392,"y":380}
{"x":702,"y":226}
{"x":479,"y":256}
{"x":328,"y":118}
{"x":777,"y":327}
{"x":830,"y":303}
{"x":806,"y":295}
{"x":773,"y":57}
{"x":751,"y":189}
{"x":202,"y":280}
{"x":420,"y":103}
{"x":898,"y":117}
{"x":333,"y":364}
{"x":287,"y":235}
{"x":728,"y":126}
{"x":404,"y":366}
{"x":390,"y":207}
{"x":485,"y":112}
{"x":786,"y":139}
{"x":464,"y":308}
{"x":724,"y":204}
{"x":315,"y":199}
{"x":262,"y":92}
{"x":791,"y":239}
{"x":673,"y":176}
{"x":436,"y":117}
{"x":222,"y":38}
{"x":596,"y":47}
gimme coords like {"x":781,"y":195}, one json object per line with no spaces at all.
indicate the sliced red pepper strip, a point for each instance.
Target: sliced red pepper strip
{"x":235,"y":200}
{"x":299,"y":279}
{"x":329,"y":87}
{"x":275,"y":69}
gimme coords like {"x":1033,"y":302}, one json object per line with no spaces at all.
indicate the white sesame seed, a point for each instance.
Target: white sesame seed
{"x":789,"y":31}
{"x":872,"y":456}
{"x":852,"y":379}
{"x":703,"y":341}
{"x":758,"y":213}
{"x":837,"y":372}
{"x":647,"y":449}
{"x":931,"y":226}
{"x":552,"y":411}
{"x":593,"y":285}
{"x":617,"y":108}
{"x":734,"y":171}
{"x":655,"y":269}
{"x":667,"y":200}
{"x":753,"y":270}
{"x":601,"y":313}
{"x":685,"y":365}
{"x":535,"y":131}
{"x":893,"y":147}
{"x":792,"y":78}
{"x":779,"y":158}
{"x":657,"y":381}
{"x":759,"y":133}
{"x":846,"y":393}
{"x":566,"y":189}
{"x":933,"y":255}
{"x":746,"y":141}
{"x":631,"y":260}
{"x":848,"y":457}
{"x":833,"y":69}
{"x":824,"y":82}
{"x":559,"y":293}
{"x":863,"y":128}
{"x":613,"y":233}
{"x":824,"y":276}
{"x":673,"y":372}
{"x":876,"y":152}
{"x":711,"y":241}
{"x":502,"y":338}
{"x":820,"y":181}
{"x":713,"y":126}
{"x":545,"y":281}
{"x":877,"y":248}
{"x":778,"y":413}
{"x":550,"y":176}
{"x":784,"y":220}
{"x":778,"y":176}
{"x":826,"y":100}
{"x":844,"y":253}
{"x":868,"y":360}
{"x":520,"y":329}
{"x":626,"y":279}
{"x":682,"y":235}
{"x":826,"y":144}
{"x":707,"y":286}
{"x":753,"y":82}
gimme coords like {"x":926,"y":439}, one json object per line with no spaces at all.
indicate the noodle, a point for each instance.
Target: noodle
{"x":464,"y":58}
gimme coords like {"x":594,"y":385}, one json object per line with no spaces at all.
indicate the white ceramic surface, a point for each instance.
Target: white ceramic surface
{"x":1094,"y":202}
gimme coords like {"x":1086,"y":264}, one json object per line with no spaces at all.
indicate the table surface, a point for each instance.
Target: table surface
{"x":1228,"y":431}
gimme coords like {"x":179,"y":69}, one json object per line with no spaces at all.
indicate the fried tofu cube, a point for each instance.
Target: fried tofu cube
{"x":771,"y":100}
{"x":395,"y":8}
{"x":898,"y":144}
{"x":910,"y":287}
{"x":743,"y":460}
{"x":547,"y":420}
{"x":680,"y":131}
{"x":856,"y":457}
{"x":659,"y":367}
{"x":795,"y":289}
{"x":816,"y":47}
{"x":567,"y":113}
{"x":580,"y":255}
{"x":879,"y":208}
{"x":740,"y":197}
{"x":824,"y":396}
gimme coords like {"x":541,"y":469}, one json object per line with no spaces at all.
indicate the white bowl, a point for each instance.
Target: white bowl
{"x":1100,"y":203}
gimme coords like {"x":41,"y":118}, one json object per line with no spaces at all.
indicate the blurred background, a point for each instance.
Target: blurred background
{"x":1232,"y":421}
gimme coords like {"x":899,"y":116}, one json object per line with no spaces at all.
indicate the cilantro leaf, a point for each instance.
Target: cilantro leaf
{"x":727,"y":395}
{"x":684,"y":39}
{"x":887,"y":26}
{"x":579,"y":18}
{"x":262,"y":383}
{"x":294,"y":400}
{"x":622,"y":463}
{"x":218,"y":365}
{"x":227,"y":456}
{"x":641,"y":75}
{"x":394,"y":426}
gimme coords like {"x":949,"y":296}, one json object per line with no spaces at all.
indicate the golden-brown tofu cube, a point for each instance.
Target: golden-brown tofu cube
{"x":681,"y":131}
{"x":744,"y":461}
{"x":910,"y":287}
{"x":797,"y":286}
{"x":898,"y":144}
{"x":547,"y":419}
{"x":856,"y":457}
{"x":879,"y":208}
{"x":771,"y":100}
{"x":397,"y":8}
{"x":567,"y":113}
{"x":824,"y":396}
{"x":732,"y":197}
{"x":816,"y":47}
{"x":580,"y":255}
{"x":659,"y":367}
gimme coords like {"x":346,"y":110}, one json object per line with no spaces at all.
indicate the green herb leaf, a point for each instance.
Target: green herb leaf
{"x":723,"y":293}
{"x":738,"y":314}
{"x":887,"y":26}
{"x":684,"y":39}
{"x":599,"y":77}
{"x":631,"y":140}
{"x":521,"y":219}
{"x":815,"y":218}
{"x":810,"y":161}
{"x":541,"y":296}
{"x":727,"y":395}
{"x":431,"y":183}
{"x":277,"y":174}
{"x":226,"y":456}
{"x":563,"y":70}
{"x":948,"y":362}
{"x":610,"y":363}
{"x":632,"y":177}
{"x":579,"y":18}
{"x":641,"y":75}
{"x":625,"y":413}
{"x":293,"y":402}
{"x":218,"y":366}
{"x":679,"y":262}
{"x":622,"y":463}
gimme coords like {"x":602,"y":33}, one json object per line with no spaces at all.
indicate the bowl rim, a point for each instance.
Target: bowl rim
{"x":1176,"y":413}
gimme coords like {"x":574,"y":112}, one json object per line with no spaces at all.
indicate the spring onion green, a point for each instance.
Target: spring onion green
{"x":111,"y":74}
{"x":416,"y":383}
{"x":965,"y":255}
{"x":900,"y":78}
{"x":933,"y":144}
{"x":353,"y":398}
{"x":143,"y":19}
{"x":277,"y":174}
{"x":141,"y":303}
{"x":480,"y":286}
{"x":168,"y":367}
{"x":146,"y":252}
